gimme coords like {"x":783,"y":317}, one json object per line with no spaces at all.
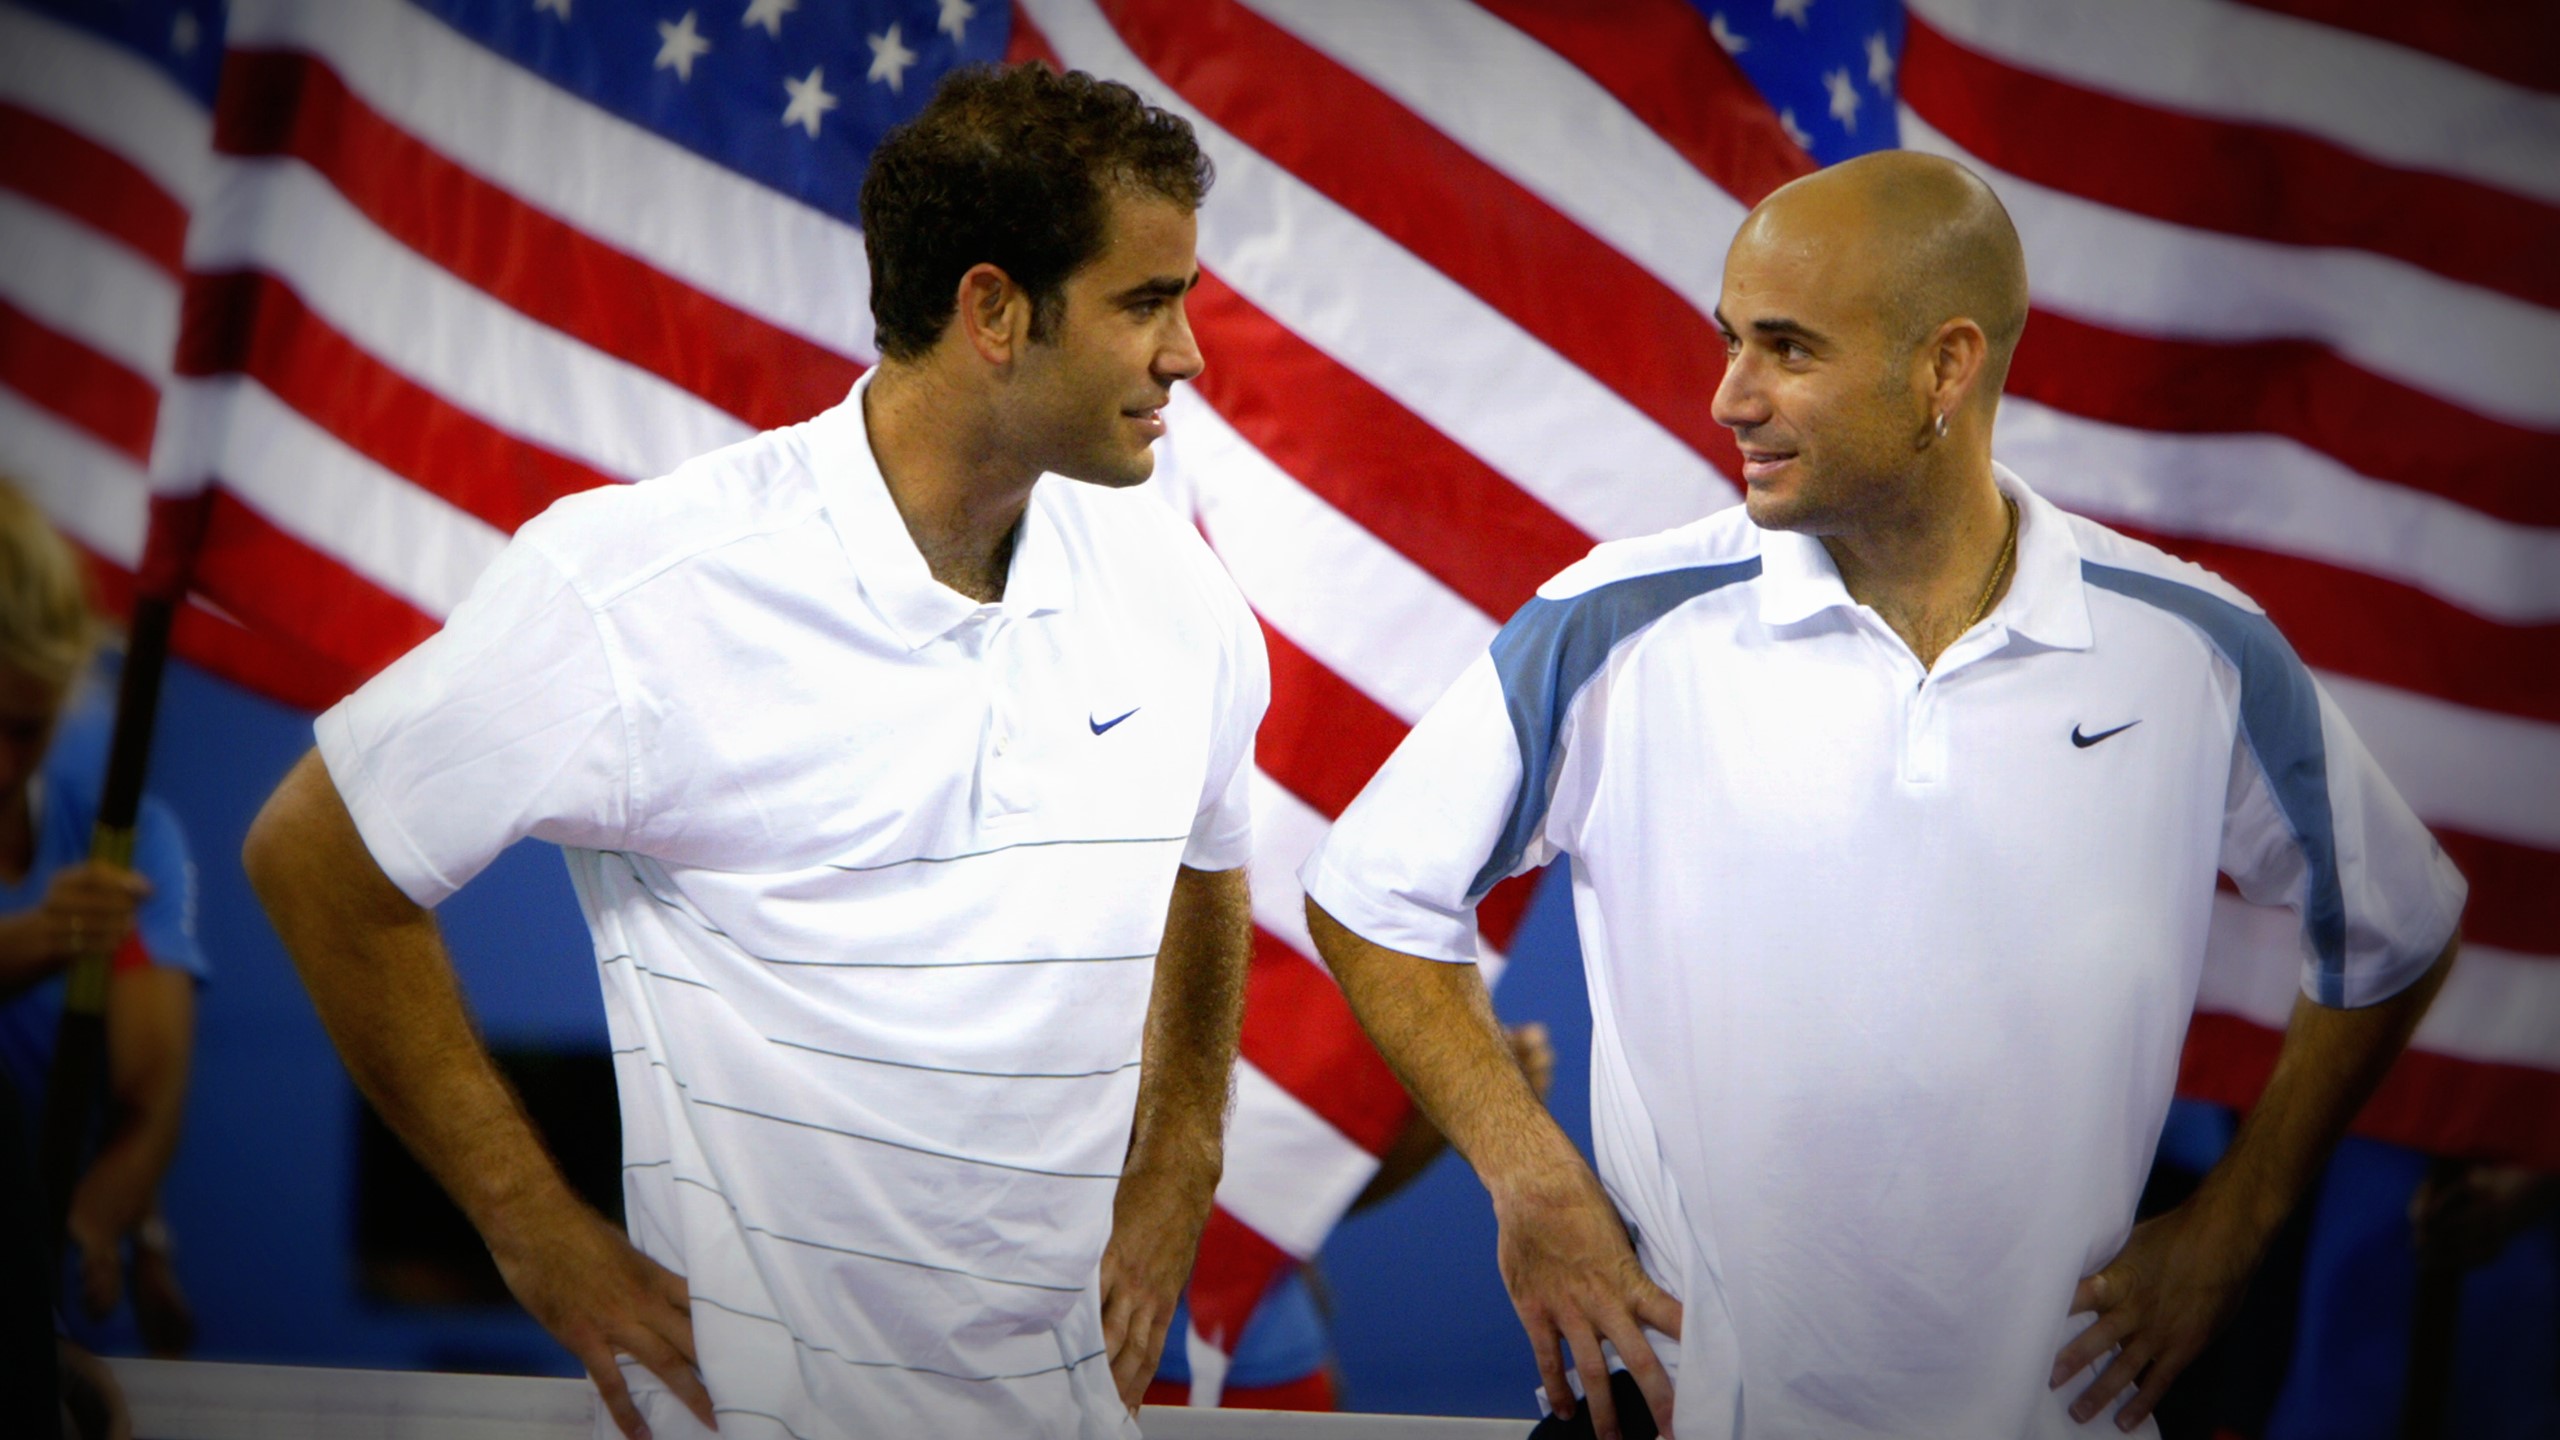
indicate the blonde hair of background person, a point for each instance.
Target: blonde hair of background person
{"x":48,"y":634}
{"x":46,"y":630}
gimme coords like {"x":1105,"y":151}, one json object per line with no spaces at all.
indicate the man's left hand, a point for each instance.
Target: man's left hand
{"x":1155,"y":1232}
{"x":2175,"y":1282}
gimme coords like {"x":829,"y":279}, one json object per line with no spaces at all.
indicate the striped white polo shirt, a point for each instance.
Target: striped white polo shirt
{"x":876,"y":876}
{"x":1889,"y":968}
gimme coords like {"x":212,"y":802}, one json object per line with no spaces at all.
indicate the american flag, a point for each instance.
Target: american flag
{"x":357,"y":286}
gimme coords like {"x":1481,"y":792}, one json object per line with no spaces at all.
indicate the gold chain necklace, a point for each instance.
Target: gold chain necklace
{"x":1999,"y":570}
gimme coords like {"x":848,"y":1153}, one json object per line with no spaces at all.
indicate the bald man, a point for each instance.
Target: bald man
{"x":1896,"y":797}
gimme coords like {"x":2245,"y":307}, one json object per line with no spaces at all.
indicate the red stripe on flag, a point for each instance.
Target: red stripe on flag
{"x":1601,"y":311}
{"x":2515,"y":893}
{"x":1662,"y":62}
{"x":2220,"y":175}
{"x":2517,"y":42}
{"x":1299,"y":1031}
{"x":2301,"y":390}
{"x":1322,"y":737}
{"x":2380,"y":630}
{"x":2429,"y":1102}
{"x":64,"y":170}
{"x":1374,"y":461}
{"x":1236,"y":1267}
{"x":113,"y":405}
{"x":216,"y":643}
{"x":1498,"y":914}
{"x":1029,"y":44}
{"x":293,"y":105}
{"x":278,"y":585}
{"x":255,"y":325}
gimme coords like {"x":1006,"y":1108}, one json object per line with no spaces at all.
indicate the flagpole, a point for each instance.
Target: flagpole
{"x":76,"y":1087}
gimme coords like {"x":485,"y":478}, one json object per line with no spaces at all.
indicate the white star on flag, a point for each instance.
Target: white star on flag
{"x":955,"y":18}
{"x":809,"y":101}
{"x":1800,"y":11}
{"x":1733,"y":44}
{"x":769,"y":13}
{"x":890,"y":58}
{"x":1879,"y":63}
{"x":679,"y":45}
{"x":184,"y":32}
{"x":1795,"y":132}
{"x":562,"y":6}
{"x":1844,"y":98}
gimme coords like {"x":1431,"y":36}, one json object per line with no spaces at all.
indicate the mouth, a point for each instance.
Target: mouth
{"x":1760,"y":466}
{"x":1150,"y":419}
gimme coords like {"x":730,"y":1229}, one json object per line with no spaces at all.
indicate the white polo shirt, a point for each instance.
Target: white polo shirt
{"x":876,"y":876}
{"x":1889,"y":969}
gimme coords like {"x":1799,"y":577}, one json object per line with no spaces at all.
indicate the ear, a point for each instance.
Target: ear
{"x":994,"y":314}
{"x":1955,"y":356}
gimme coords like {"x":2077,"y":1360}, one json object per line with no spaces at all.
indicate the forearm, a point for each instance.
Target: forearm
{"x":1193,"y":1018}
{"x":25,"y":958}
{"x":1434,"y":1023}
{"x":377,"y":972}
{"x":150,"y":1040}
{"x":2331,"y":1062}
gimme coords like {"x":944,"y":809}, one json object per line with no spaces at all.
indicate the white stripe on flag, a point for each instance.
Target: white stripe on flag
{"x":2274,"y":494}
{"x":88,"y":286}
{"x":1285,"y":832}
{"x":1578,"y":148}
{"x":310,"y":485}
{"x":1297,"y":1176}
{"x":2496,"y":1005}
{"x":108,"y":94}
{"x":764,"y":252}
{"x":2211,"y":57}
{"x":2476,"y":770}
{"x":1341,"y":594}
{"x":2474,"y":347}
{"x":1426,"y":341}
{"x":97,"y":495}
{"x":517,"y":374}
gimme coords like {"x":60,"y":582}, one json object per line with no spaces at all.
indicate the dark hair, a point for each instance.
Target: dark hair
{"x":1011,"y":166}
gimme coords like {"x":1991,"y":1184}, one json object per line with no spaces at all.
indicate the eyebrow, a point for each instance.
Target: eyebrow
{"x":1778,"y":326}
{"x":1162,"y":287}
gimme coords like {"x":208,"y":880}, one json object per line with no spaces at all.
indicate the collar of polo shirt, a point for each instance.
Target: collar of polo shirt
{"x":2045,"y":603}
{"x":886,"y":562}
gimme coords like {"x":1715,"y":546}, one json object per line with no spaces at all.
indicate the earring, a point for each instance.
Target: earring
{"x":1942,"y":424}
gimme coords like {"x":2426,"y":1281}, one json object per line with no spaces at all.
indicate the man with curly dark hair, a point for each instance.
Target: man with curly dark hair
{"x":900,"y":759}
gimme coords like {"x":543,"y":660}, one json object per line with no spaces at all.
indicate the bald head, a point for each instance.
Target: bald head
{"x":1921,"y":236}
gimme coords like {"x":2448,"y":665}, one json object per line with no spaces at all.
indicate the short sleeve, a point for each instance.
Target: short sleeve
{"x":1222,"y":828}
{"x":2311,"y":822}
{"x":504,"y":724}
{"x":1408,"y":860}
{"x":167,"y":924}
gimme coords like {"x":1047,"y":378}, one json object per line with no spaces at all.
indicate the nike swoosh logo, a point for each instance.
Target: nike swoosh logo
{"x":2085,"y":741}
{"x":1101,"y":725}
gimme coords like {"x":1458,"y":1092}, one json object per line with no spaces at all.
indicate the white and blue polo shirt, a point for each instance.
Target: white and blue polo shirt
{"x":1889,"y":967}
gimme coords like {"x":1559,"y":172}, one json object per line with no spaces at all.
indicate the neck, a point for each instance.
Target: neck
{"x":1924,"y":568}
{"x":959,"y":492}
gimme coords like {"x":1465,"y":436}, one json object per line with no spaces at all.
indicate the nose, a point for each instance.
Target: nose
{"x":1738,"y":403}
{"x":1180,"y":359}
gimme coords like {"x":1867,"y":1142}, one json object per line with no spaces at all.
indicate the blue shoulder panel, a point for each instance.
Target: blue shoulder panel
{"x":1547,"y":653}
{"x":2280,"y":723}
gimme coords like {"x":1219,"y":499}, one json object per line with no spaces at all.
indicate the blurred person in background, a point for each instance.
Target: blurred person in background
{"x":56,"y":905}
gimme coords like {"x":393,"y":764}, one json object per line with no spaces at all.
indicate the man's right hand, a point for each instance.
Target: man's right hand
{"x":1574,"y":1278}
{"x":579,"y":1275}
{"x":87,"y":908}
